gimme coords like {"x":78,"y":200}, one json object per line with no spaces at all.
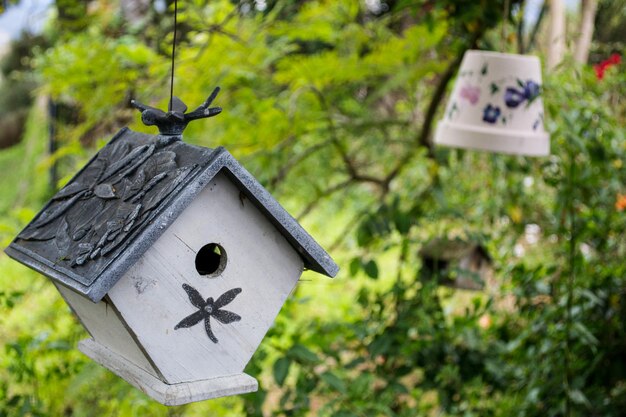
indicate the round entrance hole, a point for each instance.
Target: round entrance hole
{"x":211,"y":260}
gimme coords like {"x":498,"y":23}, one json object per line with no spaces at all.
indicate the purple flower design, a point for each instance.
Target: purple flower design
{"x":471,"y":93}
{"x":491,"y":114}
{"x":529,"y":90}
{"x":513,"y":97}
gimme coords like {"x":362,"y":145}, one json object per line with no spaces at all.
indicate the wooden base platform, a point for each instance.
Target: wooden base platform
{"x":174,"y":394}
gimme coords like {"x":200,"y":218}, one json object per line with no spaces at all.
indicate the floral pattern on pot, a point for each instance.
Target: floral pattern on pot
{"x":529,"y":90}
{"x":491,"y":114}
{"x":470,"y":93}
{"x":497,"y":90}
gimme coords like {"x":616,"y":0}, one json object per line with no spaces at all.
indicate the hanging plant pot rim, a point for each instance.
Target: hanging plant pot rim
{"x":501,"y":55}
{"x":493,"y":139}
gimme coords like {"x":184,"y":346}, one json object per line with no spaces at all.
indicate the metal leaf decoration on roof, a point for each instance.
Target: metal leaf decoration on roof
{"x":111,"y":199}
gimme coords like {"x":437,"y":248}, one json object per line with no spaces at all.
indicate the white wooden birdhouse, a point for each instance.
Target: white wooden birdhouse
{"x":457,"y":263}
{"x":174,"y":258}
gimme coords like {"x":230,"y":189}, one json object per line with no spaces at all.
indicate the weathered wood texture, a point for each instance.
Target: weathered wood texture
{"x":105,"y":326}
{"x":151,"y":299}
{"x":175,"y":394}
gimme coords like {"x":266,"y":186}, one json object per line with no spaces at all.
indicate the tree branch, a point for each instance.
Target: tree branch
{"x":423,"y":139}
{"x":290,"y":164}
{"x":326,"y":193}
{"x":351,"y":168}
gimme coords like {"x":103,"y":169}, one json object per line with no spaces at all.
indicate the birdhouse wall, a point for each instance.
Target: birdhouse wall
{"x":106,"y":327}
{"x":259,"y":260}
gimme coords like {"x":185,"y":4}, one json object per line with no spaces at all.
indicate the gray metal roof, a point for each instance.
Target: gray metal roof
{"x":121,"y":202}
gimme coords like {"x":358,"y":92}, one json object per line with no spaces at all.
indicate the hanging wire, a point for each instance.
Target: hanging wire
{"x":567,"y":365}
{"x":169,"y":107}
{"x":505,"y":19}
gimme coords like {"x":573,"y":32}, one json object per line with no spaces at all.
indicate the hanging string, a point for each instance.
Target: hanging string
{"x":169,"y":107}
{"x":505,"y":19}
{"x":570,"y":282}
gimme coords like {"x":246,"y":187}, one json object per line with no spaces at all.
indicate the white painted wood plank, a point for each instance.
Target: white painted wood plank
{"x":261,"y":262}
{"x":175,"y":394}
{"x":104,"y":325}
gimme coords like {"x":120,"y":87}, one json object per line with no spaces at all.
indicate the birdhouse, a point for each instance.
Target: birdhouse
{"x":174,"y":258}
{"x":457,"y":263}
{"x":496,"y":106}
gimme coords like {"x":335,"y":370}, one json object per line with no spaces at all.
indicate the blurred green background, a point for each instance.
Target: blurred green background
{"x":332,"y":105}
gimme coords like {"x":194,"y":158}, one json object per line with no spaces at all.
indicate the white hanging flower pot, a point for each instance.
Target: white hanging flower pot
{"x":496,"y":106}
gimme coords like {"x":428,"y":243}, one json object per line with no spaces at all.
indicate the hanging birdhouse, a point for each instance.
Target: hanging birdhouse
{"x":496,"y":106}
{"x":174,"y":258}
{"x":457,"y":263}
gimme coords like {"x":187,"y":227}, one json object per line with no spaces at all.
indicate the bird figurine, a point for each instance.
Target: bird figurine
{"x":174,"y":122}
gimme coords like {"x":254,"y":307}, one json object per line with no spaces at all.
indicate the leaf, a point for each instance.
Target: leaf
{"x":399,"y":388}
{"x":63,"y":240}
{"x":159,"y":163}
{"x":301,"y":354}
{"x":578,"y":397}
{"x":37,"y":234}
{"x":484,"y":69}
{"x":81,"y":232}
{"x":69,"y":190}
{"x":355,"y":265}
{"x":176,"y":178}
{"x":113,"y":152}
{"x":588,"y":337}
{"x":155,"y":180}
{"x":135,"y":186}
{"x":402,"y":222}
{"x":84,"y":250}
{"x":281,"y":370}
{"x":130,"y":220}
{"x":55,"y":210}
{"x":129,"y":163}
{"x":494,"y":88}
{"x":380,"y":345}
{"x":344,"y":413}
{"x":371,"y":269}
{"x":105,"y":191}
{"x":333,"y":381}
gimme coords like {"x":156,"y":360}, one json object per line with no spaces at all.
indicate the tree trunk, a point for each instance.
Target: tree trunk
{"x":588,"y":15}
{"x":556,"y":39}
{"x":135,"y":10}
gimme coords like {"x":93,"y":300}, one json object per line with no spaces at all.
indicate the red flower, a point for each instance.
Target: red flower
{"x":620,"y":202}
{"x":614,"y":59}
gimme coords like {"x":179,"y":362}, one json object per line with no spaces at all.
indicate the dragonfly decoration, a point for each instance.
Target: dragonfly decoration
{"x":208,"y":309}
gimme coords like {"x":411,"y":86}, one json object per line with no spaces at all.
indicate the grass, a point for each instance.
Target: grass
{"x":24,"y":180}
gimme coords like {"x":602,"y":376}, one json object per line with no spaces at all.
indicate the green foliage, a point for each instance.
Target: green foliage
{"x":326,"y":102}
